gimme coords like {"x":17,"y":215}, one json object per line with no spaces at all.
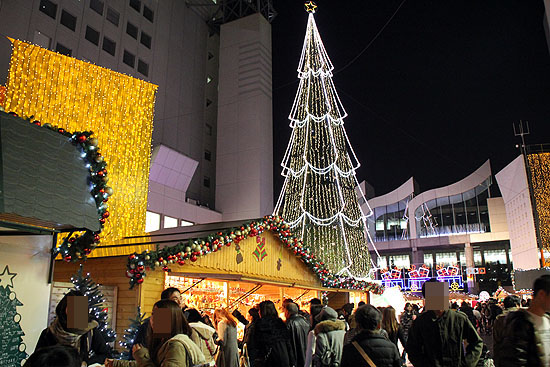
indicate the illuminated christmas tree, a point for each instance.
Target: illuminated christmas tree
{"x":129,"y":337}
{"x":86,"y":285}
{"x":318,"y":198}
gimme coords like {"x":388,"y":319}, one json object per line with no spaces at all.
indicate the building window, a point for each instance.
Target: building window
{"x":63,"y":49}
{"x":136,"y":5}
{"x":145,"y":39}
{"x":206,"y":181}
{"x":208,"y":129}
{"x":132,"y":30}
{"x":208,"y":79}
{"x":210,"y":55}
{"x":143,"y":67}
{"x":429,"y":260}
{"x":401,"y":261}
{"x":446,"y":258}
{"x":49,"y":8}
{"x":170,"y":222}
{"x":113,"y":16}
{"x":478,"y":260}
{"x":152,"y":221}
{"x":68,"y":20}
{"x":208,"y":102}
{"x":382,"y":262}
{"x":185,"y":223}
{"x":42,"y":40}
{"x":495,"y":256}
{"x":109,"y":46}
{"x":148,"y":13}
{"x":92,"y":35}
{"x":207,"y":155}
{"x":97,"y":6}
{"x":129,"y":59}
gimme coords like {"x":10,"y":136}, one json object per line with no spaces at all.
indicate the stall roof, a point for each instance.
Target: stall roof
{"x":43,"y":179}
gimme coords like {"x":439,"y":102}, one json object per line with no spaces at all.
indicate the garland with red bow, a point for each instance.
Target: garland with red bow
{"x":191,"y":250}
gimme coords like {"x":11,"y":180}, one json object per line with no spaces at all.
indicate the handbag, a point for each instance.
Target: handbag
{"x":363,"y":354}
{"x":243,"y":359}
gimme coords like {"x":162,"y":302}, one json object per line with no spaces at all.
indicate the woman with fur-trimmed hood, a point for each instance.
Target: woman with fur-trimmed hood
{"x":329,"y":334}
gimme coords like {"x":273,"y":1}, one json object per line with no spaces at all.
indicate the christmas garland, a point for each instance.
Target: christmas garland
{"x":190,"y":250}
{"x":75,"y":246}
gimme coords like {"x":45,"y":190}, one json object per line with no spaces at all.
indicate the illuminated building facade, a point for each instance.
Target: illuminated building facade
{"x":452,"y":231}
{"x":467,"y":225}
{"x":177,"y":46}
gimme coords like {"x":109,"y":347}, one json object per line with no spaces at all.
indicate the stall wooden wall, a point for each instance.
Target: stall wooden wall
{"x":151,"y":289}
{"x":292,"y":269}
{"x":107,"y":271}
{"x":337,"y":299}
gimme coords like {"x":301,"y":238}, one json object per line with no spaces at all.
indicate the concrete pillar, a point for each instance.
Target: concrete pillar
{"x":469,"y":254}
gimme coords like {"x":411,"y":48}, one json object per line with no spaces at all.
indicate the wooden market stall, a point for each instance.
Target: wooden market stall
{"x":234,"y":265}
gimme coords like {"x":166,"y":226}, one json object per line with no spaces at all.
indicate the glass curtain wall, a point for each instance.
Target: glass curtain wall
{"x":390,"y":222}
{"x":457,"y":214}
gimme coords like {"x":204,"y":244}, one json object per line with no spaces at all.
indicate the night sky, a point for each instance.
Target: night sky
{"x":435,"y":95}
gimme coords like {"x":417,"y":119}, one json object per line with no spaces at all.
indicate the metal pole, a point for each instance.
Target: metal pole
{"x":52,"y":258}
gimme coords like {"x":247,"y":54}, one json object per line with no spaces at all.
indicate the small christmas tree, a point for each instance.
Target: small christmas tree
{"x":130,"y":335}
{"x":88,"y":287}
{"x":12,"y":348}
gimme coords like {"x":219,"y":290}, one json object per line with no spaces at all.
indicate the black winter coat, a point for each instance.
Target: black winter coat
{"x":298,"y":328}
{"x":269,"y":344}
{"x":92,"y":351}
{"x":382,"y":352}
{"x":519,"y":346}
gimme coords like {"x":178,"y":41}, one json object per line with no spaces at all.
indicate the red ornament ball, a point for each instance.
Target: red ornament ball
{"x":140,"y":280}
{"x":81,"y":138}
{"x":36,"y":122}
{"x":105,"y":215}
{"x":102,"y":221}
{"x":194,"y":258}
{"x":61,"y":131}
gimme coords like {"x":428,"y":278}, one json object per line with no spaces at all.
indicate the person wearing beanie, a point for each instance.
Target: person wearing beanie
{"x":329,"y":334}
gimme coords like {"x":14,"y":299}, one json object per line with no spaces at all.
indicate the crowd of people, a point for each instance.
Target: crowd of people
{"x":176,"y":335}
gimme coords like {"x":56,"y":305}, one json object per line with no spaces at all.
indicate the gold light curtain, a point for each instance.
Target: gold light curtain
{"x":539,"y":166}
{"x":78,"y":96}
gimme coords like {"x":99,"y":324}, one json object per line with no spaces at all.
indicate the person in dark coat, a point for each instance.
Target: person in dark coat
{"x":54,"y":356}
{"x":88,"y":340}
{"x":381,"y":351}
{"x":298,"y":328}
{"x":436,"y":339}
{"x":526,"y":339}
{"x":269,"y":340}
{"x":253,"y":317}
{"x":469,"y":311}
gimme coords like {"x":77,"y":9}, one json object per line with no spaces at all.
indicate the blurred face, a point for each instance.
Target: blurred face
{"x":176,"y":297}
{"x":161,"y":322}
{"x":409,"y":308}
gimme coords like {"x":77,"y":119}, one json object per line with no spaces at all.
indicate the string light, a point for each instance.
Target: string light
{"x":79,"y":96}
{"x":318,"y":199}
{"x":539,"y":167}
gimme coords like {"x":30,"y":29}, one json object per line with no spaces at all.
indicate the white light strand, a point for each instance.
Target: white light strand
{"x":320,"y":182}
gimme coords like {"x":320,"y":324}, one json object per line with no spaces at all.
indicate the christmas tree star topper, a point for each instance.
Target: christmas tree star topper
{"x":6,"y":278}
{"x":310,"y":6}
